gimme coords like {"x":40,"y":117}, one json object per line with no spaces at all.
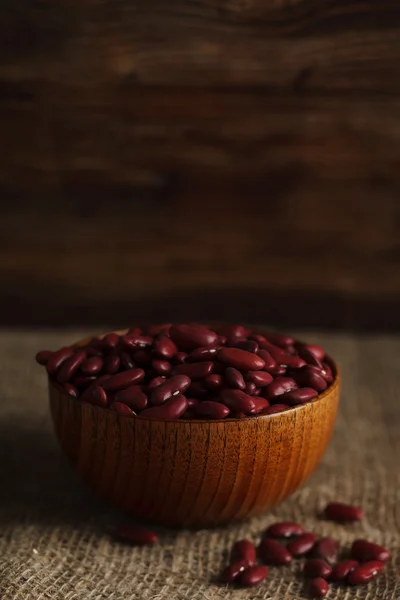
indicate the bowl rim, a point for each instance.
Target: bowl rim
{"x":334,"y":386}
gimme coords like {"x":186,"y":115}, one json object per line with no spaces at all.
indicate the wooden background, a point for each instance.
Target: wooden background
{"x":234,"y":159}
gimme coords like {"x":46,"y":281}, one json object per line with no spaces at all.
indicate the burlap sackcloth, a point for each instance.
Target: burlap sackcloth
{"x":54,"y":535}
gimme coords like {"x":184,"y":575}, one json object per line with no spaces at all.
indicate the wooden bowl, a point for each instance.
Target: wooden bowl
{"x":194,"y":472}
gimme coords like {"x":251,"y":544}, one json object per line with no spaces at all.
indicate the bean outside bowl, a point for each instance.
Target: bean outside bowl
{"x":194,"y":472}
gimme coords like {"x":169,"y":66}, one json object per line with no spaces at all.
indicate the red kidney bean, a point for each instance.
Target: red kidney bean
{"x":180,"y":358}
{"x":309,"y":378}
{"x":93,"y":351}
{"x":253,"y":575}
{"x":94,"y":382}
{"x":142,"y":357}
{"x":248,"y":345}
{"x":244,"y":550}
{"x":238,"y":401}
{"x":278,"y":387}
{"x":111,"y":364}
{"x":43,"y":356}
{"x":192,"y":402}
{"x":275,"y":408}
{"x":131,"y":341}
{"x":341,"y":570}
{"x":92,"y":365}
{"x":71,"y":390}
{"x":111,"y":340}
{"x":234,"y":332}
{"x":314,"y":349}
{"x":161,"y":393}
{"x":270,"y":363}
{"x":99,"y":397}
{"x":57,"y":359}
{"x":278,"y":370}
{"x":197,"y":390}
{"x":302,"y":544}
{"x":326,"y":548}
{"x":83,"y":381}
{"x":250,"y":388}
{"x":120,"y":381}
{"x":310,"y":358}
{"x":136,"y":535}
{"x":279,"y":339}
{"x":364,"y":551}
{"x":298,"y":396}
{"x":260,"y":404}
{"x":284,"y":358}
{"x":232,"y":572}
{"x":190,"y":337}
{"x":122,"y":409}
{"x":316,"y":567}
{"x":364,"y":573}
{"x":273,"y":552}
{"x":70,"y":366}
{"x":154,"y":330}
{"x":343,"y":513}
{"x":161,"y":367}
{"x":234,"y":378}
{"x":211,"y":410}
{"x":327,"y":373}
{"x":203,"y":354}
{"x":155,"y":382}
{"x":134,"y":397}
{"x":127,"y":361}
{"x":173,"y":408}
{"x":213,"y":382}
{"x":194,"y":370}
{"x":164,"y":347}
{"x":284,"y":529}
{"x":240,"y":359}
{"x":260,"y":378}
{"x":318,"y":588}
{"x":257,"y":337}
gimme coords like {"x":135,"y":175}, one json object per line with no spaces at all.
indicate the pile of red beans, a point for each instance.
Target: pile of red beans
{"x":191,"y":371}
{"x":284,"y":541}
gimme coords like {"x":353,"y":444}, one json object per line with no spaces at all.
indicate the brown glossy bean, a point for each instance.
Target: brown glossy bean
{"x":98,"y":397}
{"x":240,"y":359}
{"x":278,"y":387}
{"x":248,"y":345}
{"x":70,"y":366}
{"x":134,"y":397}
{"x":161,"y":367}
{"x":142,"y":357}
{"x":120,"y":381}
{"x":190,"y":337}
{"x":343,"y":513}
{"x":260,"y":378}
{"x":318,"y":588}
{"x":232,"y":572}
{"x":213,"y":382}
{"x":127,"y":361}
{"x":253,"y":575}
{"x":284,"y":529}
{"x":302,"y":544}
{"x":195,"y":371}
{"x":364,"y":551}
{"x":269,"y":362}
{"x":173,"y":408}
{"x":244,"y":550}
{"x":308,"y":378}
{"x":122,"y":408}
{"x":112,"y":364}
{"x":155,"y":382}
{"x":180,"y":358}
{"x":136,"y":535}
{"x":298,"y":396}
{"x":92,"y":365}
{"x":43,"y":357}
{"x":57,"y":359}
{"x":275,"y":408}
{"x":260,"y":405}
{"x":317,"y":567}
{"x":234,"y":378}
{"x":237,"y":401}
{"x":279,"y":339}
{"x":211,"y":410}
{"x":341,"y":570}
{"x":160,"y":394}
{"x":197,"y":390}
{"x":364,"y":573}
{"x":273,"y":552}
{"x":71,"y":390}
{"x":111,"y":340}
{"x":326,"y":548}
{"x":164,"y":347}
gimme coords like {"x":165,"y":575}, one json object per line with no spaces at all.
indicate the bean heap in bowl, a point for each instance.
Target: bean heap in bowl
{"x":191,"y":371}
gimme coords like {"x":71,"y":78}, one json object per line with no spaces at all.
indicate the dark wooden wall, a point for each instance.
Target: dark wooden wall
{"x":234,"y":159}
